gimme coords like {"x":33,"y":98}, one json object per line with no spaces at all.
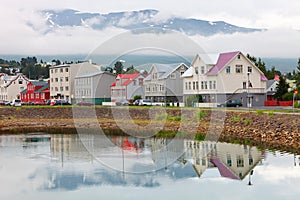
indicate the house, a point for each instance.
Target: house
{"x":127,"y":86}
{"x":37,"y":91}
{"x":233,"y":76}
{"x":11,"y":86}
{"x":62,"y":78}
{"x":271,"y":89}
{"x":94,"y":87}
{"x":165,"y":83}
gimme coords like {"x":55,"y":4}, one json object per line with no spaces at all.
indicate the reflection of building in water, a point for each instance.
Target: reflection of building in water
{"x":67,"y":147}
{"x":233,"y":161}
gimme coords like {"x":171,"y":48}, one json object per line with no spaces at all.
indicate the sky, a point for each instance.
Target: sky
{"x":282,"y":20}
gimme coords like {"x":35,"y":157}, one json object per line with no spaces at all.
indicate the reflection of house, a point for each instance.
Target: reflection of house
{"x":127,"y":86}
{"x":11,"y":86}
{"x":233,"y":76}
{"x":164,"y":81}
{"x":37,"y":91}
{"x":62,"y":78}
{"x":94,"y":87}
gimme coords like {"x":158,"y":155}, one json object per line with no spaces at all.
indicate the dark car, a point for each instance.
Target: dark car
{"x":54,"y":102}
{"x":122,"y":102}
{"x":231,"y":103}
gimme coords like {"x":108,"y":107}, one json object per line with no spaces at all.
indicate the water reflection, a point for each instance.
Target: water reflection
{"x":62,"y":162}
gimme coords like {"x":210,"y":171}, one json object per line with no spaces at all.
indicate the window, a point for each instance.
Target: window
{"x":20,"y":81}
{"x":32,"y":96}
{"x":56,"y":89}
{"x":134,"y":82}
{"x":37,"y":95}
{"x":190,"y":85}
{"x":51,"y":71}
{"x":51,"y":80}
{"x":55,"y":70}
{"x":194,"y":85}
{"x":244,"y":85}
{"x":202,"y":69}
{"x":141,"y":82}
{"x":197,"y":85}
{"x":239,"y":161}
{"x":203,"y":162}
{"x":61,"y":70}
{"x":56,"y":79}
{"x":205,"y":85}
{"x":61,"y":88}
{"x":67,"y":88}
{"x":229,"y":161}
{"x":214,"y":85}
{"x":196,"y":70}
{"x":210,"y":85}
{"x":250,"y":160}
{"x":173,"y":76}
{"x":43,"y":95}
{"x":239,"y":56}
{"x":202,"y":85}
{"x":228,"y":70}
{"x":51,"y":88}
{"x":67,"y":69}
{"x":239,"y":69}
{"x":67,"y":78}
{"x":186,"y":85}
{"x":250,"y":69}
{"x":61,"y":79}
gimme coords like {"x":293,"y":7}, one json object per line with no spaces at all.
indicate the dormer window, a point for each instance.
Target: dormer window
{"x":202,"y":69}
{"x":196,"y":70}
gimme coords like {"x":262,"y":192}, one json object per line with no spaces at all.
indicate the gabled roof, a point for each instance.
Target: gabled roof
{"x":94,"y":74}
{"x":45,"y":87}
{"x":188,"y":72}
{"x":223,"y":60}
{"x":13,"y":78}
{"x":224,"y":170}
{"x":38,"y":83}
{"x":129,"y":77}
{"x":165,"y":70}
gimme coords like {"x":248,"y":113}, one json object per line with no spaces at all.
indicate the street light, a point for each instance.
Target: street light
{"x":248,"y":97}
{"x":251,"y":173}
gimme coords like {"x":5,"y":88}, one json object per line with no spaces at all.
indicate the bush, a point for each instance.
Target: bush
{"x":136,"y":97}
{"x":297,"y":104}
{"x":236,"y":119}
{"x":247,"y":122}
{"x":200,"y":115}
{"x":288,"y":96}
{"x":260,"y":112}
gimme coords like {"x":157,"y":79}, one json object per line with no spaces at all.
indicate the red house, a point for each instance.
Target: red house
{"x":37,"y":92}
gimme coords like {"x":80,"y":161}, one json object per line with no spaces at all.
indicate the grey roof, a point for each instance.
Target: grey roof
{"x":270,"y":83}
{"x":39,"y":83}
{"x":165,"y":69}
{"x":94,"y":74}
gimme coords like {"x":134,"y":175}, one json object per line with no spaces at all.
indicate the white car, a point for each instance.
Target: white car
{"x":145,"y":102}
{"x":16,"y":102}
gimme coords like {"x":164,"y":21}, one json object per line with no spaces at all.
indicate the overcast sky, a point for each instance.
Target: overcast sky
{"x":281,"y":18}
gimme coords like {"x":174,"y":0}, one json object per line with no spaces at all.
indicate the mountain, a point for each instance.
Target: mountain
{"x":136,"y":20}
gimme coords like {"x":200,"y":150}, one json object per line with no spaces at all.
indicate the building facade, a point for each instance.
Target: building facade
{"x":233,"y":76}
{"x":11,"y":86}
{"x":165,"y":83}
{"x":36,"y":92}
{"x":127,"y":86}
{"x":62,"y":79}
{"x":94,"y":87}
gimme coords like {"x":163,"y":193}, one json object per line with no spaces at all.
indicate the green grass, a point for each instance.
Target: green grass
{"x":169,"y":117}
{"x":199,"y":137}
{"x":170,"y":134}
{"x":259,"y":112}
{"x":270,"y":113}
{"x":200,"y":115}
{"x":236,"y":119}
{"x":248,"y":122}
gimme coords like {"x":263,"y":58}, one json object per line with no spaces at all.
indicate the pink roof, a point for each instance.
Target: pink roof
{"x":263,"y":77}
{"x":223,"y":60}
{"x":224,"y":170}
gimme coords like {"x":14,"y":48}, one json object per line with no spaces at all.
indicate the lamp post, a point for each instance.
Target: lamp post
{"x":248,"y":88}
{"x":251,"y":173}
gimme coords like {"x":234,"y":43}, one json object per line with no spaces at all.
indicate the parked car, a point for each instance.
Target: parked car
{"x":84,"y":103}
{"x":231,"y":103}
{"x":145,"y":102}
{"x":16,"y":102}
{"x":122,"y":102}
{"x":4,"y":103}
{"x":54,"y":102}
{"x":38,"y":103}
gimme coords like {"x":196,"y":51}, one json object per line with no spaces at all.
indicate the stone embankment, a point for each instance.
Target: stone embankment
{"x":268,"y":130}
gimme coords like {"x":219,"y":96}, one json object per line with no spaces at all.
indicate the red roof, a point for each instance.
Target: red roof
{"x":223,"y":60}
{"x":129,"y":77}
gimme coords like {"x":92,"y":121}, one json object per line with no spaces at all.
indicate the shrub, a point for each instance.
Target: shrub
{"x":270,"y":113}
{"x":236,"y":119}
{"x":248,"y":122}
{"x":260,"y":112}
{"x":199,"y":137}
{"x":200,"y":115}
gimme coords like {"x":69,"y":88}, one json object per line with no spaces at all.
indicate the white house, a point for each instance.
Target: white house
{"x":11,"y":86}
{"x":62,"y":78}
{"x":127,"y":86}
{"x":94,"y":87}
{"x":233,"y":76}
{"x":164,"y":81}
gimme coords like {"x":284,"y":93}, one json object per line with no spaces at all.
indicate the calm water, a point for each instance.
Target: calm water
{"x":44,"y":167}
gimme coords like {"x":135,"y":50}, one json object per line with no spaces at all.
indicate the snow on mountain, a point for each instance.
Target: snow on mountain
{"x":136,"y":20}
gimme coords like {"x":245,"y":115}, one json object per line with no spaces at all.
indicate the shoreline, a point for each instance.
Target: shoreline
{"x":267,"y":130}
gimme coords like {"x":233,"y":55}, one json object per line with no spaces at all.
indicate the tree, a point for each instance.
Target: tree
{"x":282,"y":88}
{"x":118,"y":67}
{"x":136,"y":97}
{"x":130,"y":70}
